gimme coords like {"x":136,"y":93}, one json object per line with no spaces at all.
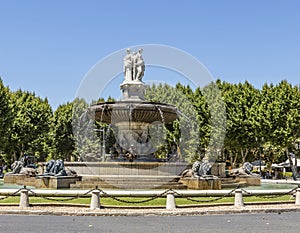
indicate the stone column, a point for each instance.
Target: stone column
{"x":24,"y":199}
{"x":238,"y":198}
{"x":170,"y":205}
{"x":95,"y":200}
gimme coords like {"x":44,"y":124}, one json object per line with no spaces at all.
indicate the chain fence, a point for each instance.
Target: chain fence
{"x":135,"y":202}
{"x":62,"y":199}
{"x":11,"y":195}
{"x":205,"y":201}
{"x":151,"y":198}
{"x":271,"y":196}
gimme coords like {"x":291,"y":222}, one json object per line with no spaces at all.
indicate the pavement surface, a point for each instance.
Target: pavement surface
{"x":204,"y":210}
{"x":240,"y":223}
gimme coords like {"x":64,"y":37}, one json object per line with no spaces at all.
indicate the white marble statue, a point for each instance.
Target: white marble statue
{"x":139,"y":65}
{"x":134,"y":66}
{"x":128,"y":61}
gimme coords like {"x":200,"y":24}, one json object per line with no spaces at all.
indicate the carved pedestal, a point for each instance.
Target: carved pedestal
{"x":133,"y":90}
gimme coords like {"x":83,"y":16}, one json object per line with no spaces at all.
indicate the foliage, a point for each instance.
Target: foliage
{"x":84,"y":129}
{"x":63,"y":143}
{"x":183,"y":133}
{"x":6,"y":117}
{"x":31,"y":125}
{"x":221,"y":121}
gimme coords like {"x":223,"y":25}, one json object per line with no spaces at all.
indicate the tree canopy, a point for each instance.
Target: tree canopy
{"x":234,"y":123}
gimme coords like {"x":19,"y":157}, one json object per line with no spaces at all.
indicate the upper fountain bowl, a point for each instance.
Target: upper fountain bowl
{"x":133,"y":111}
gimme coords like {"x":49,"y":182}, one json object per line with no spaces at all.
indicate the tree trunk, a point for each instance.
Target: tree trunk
{"x":14,"y":157}
{"x":294,"y":172}
{"x":244,"y":155}
{"x":234,"y":160}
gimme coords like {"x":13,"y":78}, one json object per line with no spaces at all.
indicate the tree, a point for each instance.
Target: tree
{"x":184,"y":133}
{"x":5,"y":117}
{"x":242,"y":104}
{"x":31,"y":125}
{"x":84,"y":127}
{"x":282,"y":114}
{"x":214,"y":118}
{"x":61,"y":131}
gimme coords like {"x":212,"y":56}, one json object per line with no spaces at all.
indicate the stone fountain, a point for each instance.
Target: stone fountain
{"x":132,"y":119}
{"x":132,"y":116}
{"x":135,"y":165}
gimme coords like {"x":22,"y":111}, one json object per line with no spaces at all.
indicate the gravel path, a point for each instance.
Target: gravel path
{"x":84,"y":211}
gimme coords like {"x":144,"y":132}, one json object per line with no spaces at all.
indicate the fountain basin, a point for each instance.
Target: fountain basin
{"x":133,"y":111}
{"x":131,"y":121}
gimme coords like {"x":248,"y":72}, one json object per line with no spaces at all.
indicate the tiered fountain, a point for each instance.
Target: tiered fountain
{"x":132,"y":118}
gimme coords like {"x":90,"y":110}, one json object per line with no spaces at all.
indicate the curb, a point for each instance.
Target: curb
{"x":147,"y":212}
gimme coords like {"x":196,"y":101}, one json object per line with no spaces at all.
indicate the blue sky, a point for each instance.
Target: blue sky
{"x":48,"y":46}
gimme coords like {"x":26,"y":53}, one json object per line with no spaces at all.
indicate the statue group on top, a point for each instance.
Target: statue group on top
{"x":134,"y":66}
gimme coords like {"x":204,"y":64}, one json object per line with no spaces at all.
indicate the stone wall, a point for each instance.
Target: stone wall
{"x":218,"y":169}
{"x":127,"y":168}
{"x":200,"y":183}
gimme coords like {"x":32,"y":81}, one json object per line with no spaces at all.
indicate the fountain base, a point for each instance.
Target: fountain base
{"x":242,"y":181}
{"x":50,"y":182}
{"x":55,"y":182}
{"x":202,"y":183}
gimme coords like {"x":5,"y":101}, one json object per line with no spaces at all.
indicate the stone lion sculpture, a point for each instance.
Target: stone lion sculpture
{"x":198,"y":169}
{"x":57,"y":168}
{"x":16,"y":167}
{"x":20,"y":167}
{"x":246,"y":169}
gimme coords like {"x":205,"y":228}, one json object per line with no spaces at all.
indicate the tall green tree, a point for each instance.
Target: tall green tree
{"x":282,"y":114}
{"x":6,"y":117}
{"x":184,"y":133}
{"x":243,"y":124}
{"x":85,"y":131}
{"x":214,"y":120}
{"x":63,"y":144}
{"x":31,"y":125}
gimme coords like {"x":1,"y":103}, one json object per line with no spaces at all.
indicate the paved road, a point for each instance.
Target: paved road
{"x":244,"y":223}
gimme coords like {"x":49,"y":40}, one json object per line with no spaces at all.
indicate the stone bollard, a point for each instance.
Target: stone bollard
{"x":170,"y":205}
{"x":24,"y":199}
{"x":297,"y":202}
{"x":238,"y":198}
{"x":95,"y":200}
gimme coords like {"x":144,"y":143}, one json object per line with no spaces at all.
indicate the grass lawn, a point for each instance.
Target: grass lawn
{"x":106,"y":201}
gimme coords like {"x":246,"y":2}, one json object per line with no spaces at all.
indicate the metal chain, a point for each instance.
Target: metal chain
{"x":205,"y":201}
{"x":149,"y":199}
{"x":271,"y":196}
{"x":11,"y":195}
{"x":134,"y":202}
{"x":64,"y":198}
